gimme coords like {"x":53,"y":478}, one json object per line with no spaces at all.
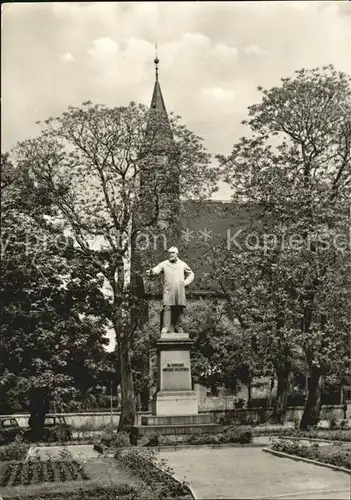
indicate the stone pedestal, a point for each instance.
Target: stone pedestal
{"x":175,"y":404}
{"x":174,"y":391}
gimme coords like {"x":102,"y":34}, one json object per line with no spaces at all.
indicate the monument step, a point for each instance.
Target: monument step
{"x":203,"y":418}
{"x":176,"y":430}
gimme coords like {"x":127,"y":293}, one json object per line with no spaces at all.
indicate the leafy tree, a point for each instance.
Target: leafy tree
{"x":90,"y":161}
{"x":295,"y":168}
{"x":49,"y":338}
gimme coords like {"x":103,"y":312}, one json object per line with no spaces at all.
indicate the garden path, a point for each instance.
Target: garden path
{"x":248,"y":472}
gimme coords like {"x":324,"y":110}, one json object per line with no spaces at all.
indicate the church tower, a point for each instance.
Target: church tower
{"x":162,"y":172}
{"x":158,"y":214}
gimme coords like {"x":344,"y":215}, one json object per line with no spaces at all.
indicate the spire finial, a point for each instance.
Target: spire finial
{"x":156,"y":61}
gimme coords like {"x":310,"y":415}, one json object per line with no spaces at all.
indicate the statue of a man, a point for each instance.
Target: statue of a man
{"x":177,"y":275}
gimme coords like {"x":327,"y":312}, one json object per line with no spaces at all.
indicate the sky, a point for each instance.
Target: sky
{"x":213,"y":55}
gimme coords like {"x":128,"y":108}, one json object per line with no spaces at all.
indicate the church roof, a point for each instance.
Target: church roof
{"x":206,"y":225}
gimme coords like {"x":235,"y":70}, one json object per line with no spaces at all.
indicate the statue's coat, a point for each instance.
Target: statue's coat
{"x":177,"y":275}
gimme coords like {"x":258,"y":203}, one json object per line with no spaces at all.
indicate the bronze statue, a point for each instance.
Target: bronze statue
{"x":177,"y":276}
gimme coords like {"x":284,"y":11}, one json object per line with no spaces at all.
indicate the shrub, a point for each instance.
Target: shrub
{"x":296,"y":423}
{"x":340,"y":458}
{"x":344,"y":424}
{"x":59,"y":433}
{"x":113,"y":440}
{"x":153,"y":440}
{"x":333,"y":423}
{"x":13,"y":451}
{"x":242,"y":435}
{"x":230,"y":435}
{"x":203,"y":439}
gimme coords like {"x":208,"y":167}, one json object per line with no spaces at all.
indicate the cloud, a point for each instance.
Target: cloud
{"x":220,"y":94}
{"x":254,"y":50}
{"x":67,"y":57}
{"x":224,"y":51}
{"x":103,"y":48}
{"x":211,"y":57}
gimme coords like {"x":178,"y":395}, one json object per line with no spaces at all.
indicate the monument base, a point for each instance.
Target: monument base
{"x":199,"y":419}
{"x":175,"y":405}
{"x":172,"y":403}
{"x":180,"y":432}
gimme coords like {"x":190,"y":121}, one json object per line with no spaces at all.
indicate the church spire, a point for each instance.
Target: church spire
{"x":163,"y":135}
{"x":156,"y":61}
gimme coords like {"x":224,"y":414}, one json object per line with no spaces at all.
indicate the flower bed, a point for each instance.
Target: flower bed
{"x":156,"y":474}
{"x":340,"y":457}
{"x":38,"y":471}
{"x":333,"y":435}
{"x":233,"y":434}
{"x":122,"y":492}
{"x":230,"y":435}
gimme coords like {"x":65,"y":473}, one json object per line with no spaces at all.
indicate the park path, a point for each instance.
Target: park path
{"x":248,"y":472}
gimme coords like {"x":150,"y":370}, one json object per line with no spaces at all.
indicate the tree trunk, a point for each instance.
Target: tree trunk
{"x":249,"y":394}
{"x":38,"y":408}
{"x":313,"y":404}
{"x":283,"y":376}
{"x":128,"y":411}
{"x":271,"y":387}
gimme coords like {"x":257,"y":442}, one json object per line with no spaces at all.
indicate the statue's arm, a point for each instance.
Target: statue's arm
{"x":189,"y":275}
{"x":155,"y":270}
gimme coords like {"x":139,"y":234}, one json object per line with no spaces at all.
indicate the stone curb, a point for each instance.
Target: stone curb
{"x":200,"y":446}
{"x":307,"y":460}
{"x":187,"y":486}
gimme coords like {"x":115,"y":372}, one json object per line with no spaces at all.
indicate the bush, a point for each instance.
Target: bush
{"x":344,"y":424}
{"x":333,"y":423}
{"x":204,"y":439}
{"x":13,"y":451}
{"x":113,"y":440}
{"x":59,"y":433}
{"x":153,"y":440}
{"x":242,"y":435}
{"x":230,"y":435}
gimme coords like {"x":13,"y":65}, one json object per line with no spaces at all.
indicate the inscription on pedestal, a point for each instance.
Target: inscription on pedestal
{"x":175,"y":367}
{"x":175,"y":371}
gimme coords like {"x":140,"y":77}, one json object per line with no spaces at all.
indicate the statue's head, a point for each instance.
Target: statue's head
{"x":173,"y":254}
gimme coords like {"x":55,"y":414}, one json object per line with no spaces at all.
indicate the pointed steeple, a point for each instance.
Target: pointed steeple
{"x":159,"y":126}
